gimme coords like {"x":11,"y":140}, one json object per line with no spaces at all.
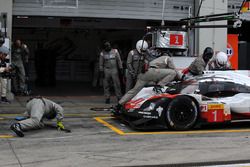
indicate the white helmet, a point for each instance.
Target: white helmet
{"x":221,"y":58}
{"x":141,"y":45}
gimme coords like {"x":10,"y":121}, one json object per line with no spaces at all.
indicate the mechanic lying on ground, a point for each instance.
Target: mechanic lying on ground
{"x":161,"y":71}
{"x":38,"y":108}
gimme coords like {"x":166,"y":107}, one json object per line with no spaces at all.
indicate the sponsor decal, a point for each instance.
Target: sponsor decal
{"x":232,"y":50}
{"x":203,"y":108}
{"x":215,"y":106}
{"x":144,"y":113}
{"x":159,"y":110}
{"x":150,"y":116}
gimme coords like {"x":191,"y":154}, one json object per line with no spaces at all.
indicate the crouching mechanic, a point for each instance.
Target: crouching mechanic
{"x":161,"y":71}
{"x":219,"y":62}
{"x":199,"y":64}
{"x":39,"y":108}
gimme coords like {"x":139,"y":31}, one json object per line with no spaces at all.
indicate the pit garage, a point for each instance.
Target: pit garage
{"x":67,"y":50}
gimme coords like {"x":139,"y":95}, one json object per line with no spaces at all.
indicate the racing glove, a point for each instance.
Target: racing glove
{"x":60,"y":125}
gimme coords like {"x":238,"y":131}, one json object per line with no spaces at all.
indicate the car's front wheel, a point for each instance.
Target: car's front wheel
{"x":181,"y":113}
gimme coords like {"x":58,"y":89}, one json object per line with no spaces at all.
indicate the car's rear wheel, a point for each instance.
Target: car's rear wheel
{"x":181,"y":113}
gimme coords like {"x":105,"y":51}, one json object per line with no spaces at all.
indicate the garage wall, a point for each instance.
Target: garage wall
{"x":126,"y":9}
{"x":6,"y":8}
{"x":212,"y":37}
{"x":234,"y":5}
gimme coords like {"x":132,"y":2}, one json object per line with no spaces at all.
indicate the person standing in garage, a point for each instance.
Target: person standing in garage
{"x":17,"y":60}
{"x":135,"y":63}
{"x":26,"y":55}
{"x":110,"y":65}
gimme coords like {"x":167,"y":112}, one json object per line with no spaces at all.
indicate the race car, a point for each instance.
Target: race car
{"x":214,"y":97}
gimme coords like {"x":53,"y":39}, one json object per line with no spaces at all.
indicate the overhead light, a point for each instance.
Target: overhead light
{"x":22,"y":17}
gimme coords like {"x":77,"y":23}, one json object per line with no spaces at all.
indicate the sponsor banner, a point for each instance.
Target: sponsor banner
{"x":170,"y":39}
{"x":232,"y":50}
{"x":245,"y":7}
{"x":215,"y":106}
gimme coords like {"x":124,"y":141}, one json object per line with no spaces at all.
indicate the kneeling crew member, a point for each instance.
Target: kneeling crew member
{"x":39,"y":108}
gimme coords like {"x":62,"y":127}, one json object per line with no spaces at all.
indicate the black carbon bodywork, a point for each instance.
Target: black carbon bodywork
{"x":147,"y":117}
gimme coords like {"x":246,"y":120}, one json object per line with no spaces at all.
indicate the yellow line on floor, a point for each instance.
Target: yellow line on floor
{"x":188,"y":132}
{"x":6,"y":136}
{"x":100,"y":120}
{"x":95,"y":114}
{"x":119,"y":131}
{"x":73,"y":114}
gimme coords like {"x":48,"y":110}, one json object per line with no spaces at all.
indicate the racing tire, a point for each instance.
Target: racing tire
{"x":181,"y":113}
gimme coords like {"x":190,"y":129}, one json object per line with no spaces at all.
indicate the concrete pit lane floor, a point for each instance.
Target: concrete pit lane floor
{"x":95,"y":141}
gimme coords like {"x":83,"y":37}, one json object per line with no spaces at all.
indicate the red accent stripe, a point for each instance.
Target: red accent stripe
{"x":246,"y":4}
{"x":185,"y":71}
{"x":134,"y":104}
{"x":163,"y":95}
{"x":236,"y":116}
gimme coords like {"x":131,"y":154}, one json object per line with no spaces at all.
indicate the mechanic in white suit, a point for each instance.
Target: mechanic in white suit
{"x":219,"y":62}
{"x":39,"y":108}
{"x":135,"y":63}
{"x":161,"y":71}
